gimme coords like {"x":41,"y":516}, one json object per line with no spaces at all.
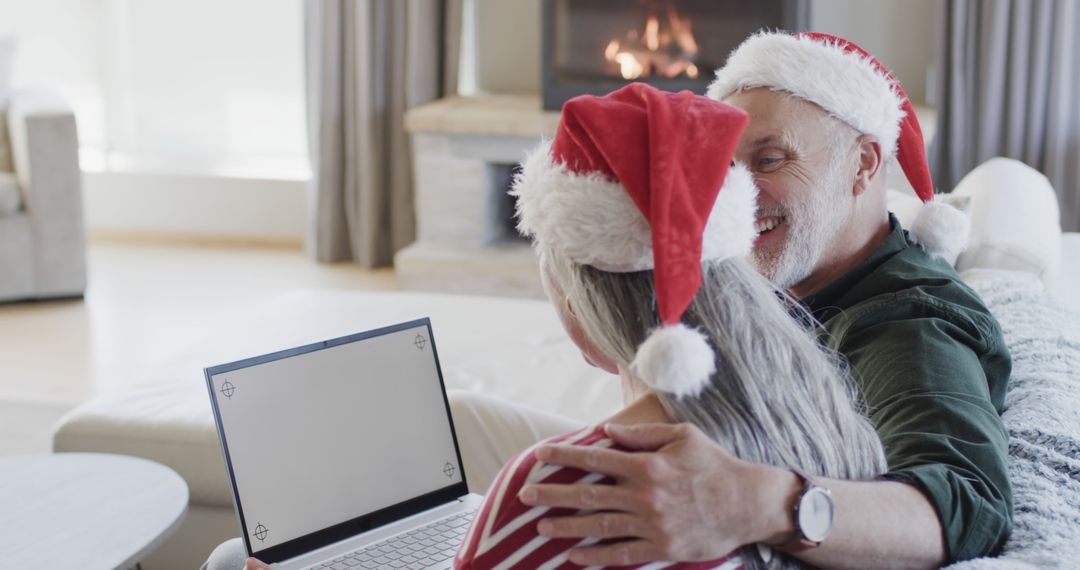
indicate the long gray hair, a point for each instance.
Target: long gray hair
{"x":777,"y":397}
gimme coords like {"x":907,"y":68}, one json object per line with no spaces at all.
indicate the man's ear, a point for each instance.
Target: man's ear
{"x":870,"y":161}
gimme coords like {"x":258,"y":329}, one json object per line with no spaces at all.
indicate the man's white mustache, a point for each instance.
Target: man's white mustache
{"x":772,"y":212}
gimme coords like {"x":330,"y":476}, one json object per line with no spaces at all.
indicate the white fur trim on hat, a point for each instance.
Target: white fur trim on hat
{"x":940,"y":229}
{"x":846,"y":85}
{"x":593,"y":221}
{"x":729,"y":232}
{"x":675,"y":359}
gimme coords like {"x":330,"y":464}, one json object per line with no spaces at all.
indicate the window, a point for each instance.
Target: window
{"x":200,"y":86}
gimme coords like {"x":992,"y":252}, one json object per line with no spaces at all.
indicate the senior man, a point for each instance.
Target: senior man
{"x":928,"y":357}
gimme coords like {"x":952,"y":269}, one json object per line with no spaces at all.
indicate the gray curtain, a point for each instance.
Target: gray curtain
{"x":366,"y":63}
{"x":1009,"y":85}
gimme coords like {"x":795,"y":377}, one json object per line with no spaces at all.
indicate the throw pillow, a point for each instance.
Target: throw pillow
{"x":1014,"y":219}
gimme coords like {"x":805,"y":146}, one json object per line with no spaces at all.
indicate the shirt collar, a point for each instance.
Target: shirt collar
{"x":895,"y":242}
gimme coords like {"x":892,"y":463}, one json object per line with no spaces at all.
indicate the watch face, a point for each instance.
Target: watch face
{"x":815,"y":514}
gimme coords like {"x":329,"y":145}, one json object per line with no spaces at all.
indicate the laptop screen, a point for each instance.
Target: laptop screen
{"x":335,"y":434}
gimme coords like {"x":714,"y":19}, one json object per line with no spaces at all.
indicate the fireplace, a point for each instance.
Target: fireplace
{"x":597,"y":46}
{"x":465,"y":148}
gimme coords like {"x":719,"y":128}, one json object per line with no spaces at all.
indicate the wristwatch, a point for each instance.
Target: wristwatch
{"x":813,"y":515}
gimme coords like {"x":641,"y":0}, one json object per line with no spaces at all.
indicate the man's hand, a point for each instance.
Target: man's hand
{"x":688,"y":500}
{"x":255,"y":564}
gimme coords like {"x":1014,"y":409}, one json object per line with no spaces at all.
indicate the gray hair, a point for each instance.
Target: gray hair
{"x":777,"y":396}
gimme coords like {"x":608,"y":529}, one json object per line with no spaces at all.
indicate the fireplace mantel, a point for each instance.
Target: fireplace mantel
{"x":490,"y":115}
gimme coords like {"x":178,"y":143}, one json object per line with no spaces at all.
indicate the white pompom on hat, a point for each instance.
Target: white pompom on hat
{"x":675,"y":359}
{"x":853,"y":86}
{"x":643,"y":179}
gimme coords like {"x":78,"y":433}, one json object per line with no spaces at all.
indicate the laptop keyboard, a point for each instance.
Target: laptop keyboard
{"x":419,"y":548}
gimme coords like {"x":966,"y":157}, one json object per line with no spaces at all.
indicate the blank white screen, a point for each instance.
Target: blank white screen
{"x":323,"y":437}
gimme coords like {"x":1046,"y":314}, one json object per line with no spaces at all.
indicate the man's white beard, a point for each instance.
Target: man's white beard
{"x":813,"y":219}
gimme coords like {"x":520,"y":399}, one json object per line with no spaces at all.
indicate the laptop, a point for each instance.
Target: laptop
{"x":343,"y":454}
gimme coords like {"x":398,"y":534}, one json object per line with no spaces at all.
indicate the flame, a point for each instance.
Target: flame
{"x":652,"y":29}
{"x":611,"y":50}
{"x":667,"y":51}
{"x":629,"y":66}
{"x":681,"y":28}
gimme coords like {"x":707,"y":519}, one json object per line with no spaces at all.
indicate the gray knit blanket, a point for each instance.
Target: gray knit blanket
{"x":1042,"y":415}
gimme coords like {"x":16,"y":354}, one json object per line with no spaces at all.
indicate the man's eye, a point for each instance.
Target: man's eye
{"x":769,"y":162}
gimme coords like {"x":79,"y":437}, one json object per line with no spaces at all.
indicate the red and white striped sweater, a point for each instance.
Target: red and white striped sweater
{"x":504,"y":535}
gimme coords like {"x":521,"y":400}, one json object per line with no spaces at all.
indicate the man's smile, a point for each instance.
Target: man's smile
{"x":766,"y":226}
{"x":767,"y":223}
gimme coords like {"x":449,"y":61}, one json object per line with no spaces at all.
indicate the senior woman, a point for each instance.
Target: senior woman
{"x":642,"y":224}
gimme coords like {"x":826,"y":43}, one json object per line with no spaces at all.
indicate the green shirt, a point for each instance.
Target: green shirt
{"x":932,"y":366}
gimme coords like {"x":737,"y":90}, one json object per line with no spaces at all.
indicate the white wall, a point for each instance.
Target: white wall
{"x":507,"y":45}
{"x":898,"y":32}
{"x":133,"y":205}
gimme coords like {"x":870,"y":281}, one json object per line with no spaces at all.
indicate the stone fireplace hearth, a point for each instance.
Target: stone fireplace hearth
{"x":464,"y":150}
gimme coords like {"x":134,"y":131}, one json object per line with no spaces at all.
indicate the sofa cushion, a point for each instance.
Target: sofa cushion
{"x":7,"y":161}
{"x":1066,"y":286}
{"x":10,"y":197}
{"x":7,"y":56}
{"x":1014,"y":220}
{"x":511,"y":348}
{"x":1042,"y":418}
{"x":905,"y":205}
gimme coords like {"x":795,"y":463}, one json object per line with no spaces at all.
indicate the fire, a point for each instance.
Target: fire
{"x":652,"y":29}
{"x":629,"y":66}
{"x":665,"y":47}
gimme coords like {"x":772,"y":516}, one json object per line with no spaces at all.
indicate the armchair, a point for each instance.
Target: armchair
{"x":42,"y":235}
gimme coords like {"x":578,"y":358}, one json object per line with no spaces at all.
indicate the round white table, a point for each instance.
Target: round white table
{"x":85,"y":510}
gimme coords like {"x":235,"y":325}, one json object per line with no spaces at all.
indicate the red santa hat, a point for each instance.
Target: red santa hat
{"x":853,"y":86}
{"x":643,"y":179}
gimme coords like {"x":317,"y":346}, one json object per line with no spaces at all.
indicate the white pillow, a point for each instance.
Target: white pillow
{"x":1014,"y":220}
{"x":906,"y":206}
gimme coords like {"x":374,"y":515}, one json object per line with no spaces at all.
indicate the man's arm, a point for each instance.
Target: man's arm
{"x":932,"y":377}
{"x":880,"y":524}
{"x":672,"y":511}
{"x":929,"y":385}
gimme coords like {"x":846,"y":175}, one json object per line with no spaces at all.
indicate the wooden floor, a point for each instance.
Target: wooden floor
{"x":142,"y":302}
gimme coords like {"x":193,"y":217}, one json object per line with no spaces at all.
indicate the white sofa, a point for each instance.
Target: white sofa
{"x":42,"y":240}
{"x":1015,"y":226}
{"x":510,"y":348}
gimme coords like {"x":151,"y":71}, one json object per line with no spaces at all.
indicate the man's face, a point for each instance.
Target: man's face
{"x":804,"y":177}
